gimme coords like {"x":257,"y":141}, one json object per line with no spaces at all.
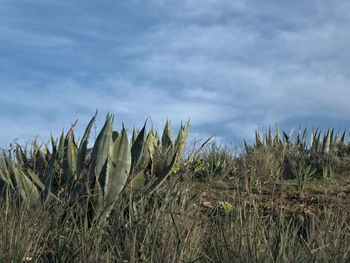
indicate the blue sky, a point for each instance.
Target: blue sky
{"x":232,"y":67}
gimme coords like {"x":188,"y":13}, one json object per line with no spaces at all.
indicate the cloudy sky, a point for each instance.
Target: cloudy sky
{"x":230,"y":66}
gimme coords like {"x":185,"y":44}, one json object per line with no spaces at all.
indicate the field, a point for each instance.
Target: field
{"x":150,"y":199}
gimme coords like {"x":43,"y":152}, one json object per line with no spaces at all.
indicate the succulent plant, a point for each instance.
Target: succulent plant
{"x":96,"y":176}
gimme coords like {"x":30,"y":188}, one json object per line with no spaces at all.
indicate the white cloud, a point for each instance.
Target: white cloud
{"x":22,"y":38}
{"x":237,"y":64}
{"x":194,"y":9}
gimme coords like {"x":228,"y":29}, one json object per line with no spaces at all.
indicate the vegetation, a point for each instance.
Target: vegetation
{"x":144,"y":200}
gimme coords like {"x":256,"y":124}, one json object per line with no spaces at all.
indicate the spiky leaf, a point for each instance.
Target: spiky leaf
{"x":118,"y":167}
{"x":180,"y":142}
{"x":27,"y":189}
{"x":48,"y":181}
{"x":137,"y":147}
{"x":101,"y":149}
{"x":167,"y":139}
{"x":83,"y":147}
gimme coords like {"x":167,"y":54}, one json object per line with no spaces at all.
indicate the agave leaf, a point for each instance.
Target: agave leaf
{"x":67,"y":167}
{"x":180,"y":142}
{"x":332,"y":134}
{"x":53,"y":143}
{"x":278,"y":135}
{"x":312,"y":137}
{"x":258,"y":140}
{"x":83,"y":147}
{"x":265,"y":138}
{"x":101,"y":149}
{"x":319,"y":142}
{"x":35,"y":147}
{"x":297,"y":139}
{"x":60,"y":149}
{"x":316,"y":141}
{"x":270,"y":140}
{"x":19,"y":156}
{"x":162,"y":178}
{"x":291,"y":132}
{"x":69,"y":161}
{"x":41,"y":164}
{"x":137,"y":183}
{"x":342,"y":140}
{"x":285,"y":138}
{"x":147,"y":152}
{"x":9,"y":171}
{"x":337,"y":137}
{"x":74,"y":154}
{"x":137,"y":147}
{"x":48,"y":182}
{"x":3,"y":177}
{"x":167,"y":139}
{"x":45,"y":150}
{"x":5,"y":184}
{"x":157,"y":139}
{"x":327,"y":142}
{"x":19,"y":186}
{"x":325,"y":137}
{"x":332,"y":140}
{"x":134,"y":136}
{"x":27,"y":189}
{"x":25,"y":153}
{"x":35,"y":178}
{"x":118,"y":168}
{"x":150,"y":145}
{"x":97,"y":200}
{"x":304,"y":138}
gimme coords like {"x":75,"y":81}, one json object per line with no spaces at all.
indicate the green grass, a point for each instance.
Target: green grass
{"x":277,"y":215}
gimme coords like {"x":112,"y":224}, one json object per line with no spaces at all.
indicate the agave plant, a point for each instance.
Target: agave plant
{"x":148,"y":148}
{"x":302,"y":174}
{"x":94,"y":176}
{"x":318,"y":143}
{"x":324,"y":151}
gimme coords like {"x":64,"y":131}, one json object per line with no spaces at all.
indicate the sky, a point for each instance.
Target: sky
{"x":230,"y":67}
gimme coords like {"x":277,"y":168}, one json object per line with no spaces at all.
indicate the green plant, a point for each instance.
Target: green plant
{"x":95,"y":177}
{"x":224,"y":208}
{"x":303,"y":174}
{"x":170,"y":217}
{"x":213,"y":162}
